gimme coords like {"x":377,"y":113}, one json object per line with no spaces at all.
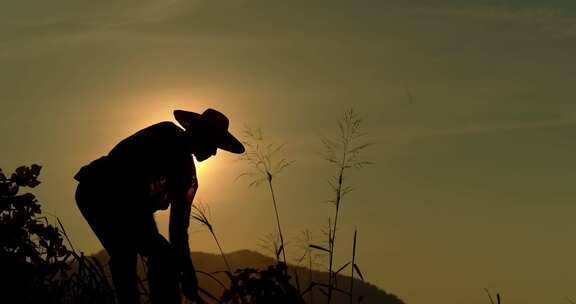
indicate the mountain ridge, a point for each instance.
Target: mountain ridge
{"x":213,"y":264}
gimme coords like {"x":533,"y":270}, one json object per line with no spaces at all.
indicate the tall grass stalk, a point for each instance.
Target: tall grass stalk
{"x":498,"y":297}
{"x":353,"y":263}
{"x":261,"y":157}
{"x":277,"y":217}
{"x":344,"y":153}
{"x":271,"y":243}
{"x":200,"y":213}
{"x":305,"y":241}
{"x":310,"y":264}
{"x":89,"y":282}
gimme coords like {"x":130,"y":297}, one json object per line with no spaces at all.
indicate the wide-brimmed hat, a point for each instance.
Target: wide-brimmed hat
{"x":213,"y":122}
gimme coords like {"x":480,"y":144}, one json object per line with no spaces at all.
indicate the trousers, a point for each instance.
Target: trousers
{"x":126,"y":230}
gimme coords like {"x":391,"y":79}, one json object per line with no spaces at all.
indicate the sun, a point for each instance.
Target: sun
{"x":158,"y":106}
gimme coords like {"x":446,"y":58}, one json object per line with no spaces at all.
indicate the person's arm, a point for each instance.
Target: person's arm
{"x":183,"y":190}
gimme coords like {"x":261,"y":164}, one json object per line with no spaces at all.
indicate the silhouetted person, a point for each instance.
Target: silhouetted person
{"x":149,"y":171}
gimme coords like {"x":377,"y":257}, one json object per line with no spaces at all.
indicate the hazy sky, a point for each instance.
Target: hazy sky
{"x":470,"y":107}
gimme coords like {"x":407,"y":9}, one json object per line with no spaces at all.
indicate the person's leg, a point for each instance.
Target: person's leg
{"x":111,"y":229}
{"x":163,"y":277}
{"x":123,"y":268}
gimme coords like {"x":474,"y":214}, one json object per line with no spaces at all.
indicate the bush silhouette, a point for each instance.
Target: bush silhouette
{"x":36,"y":265}
{"x":271,"y":285}
{"x":32,"y":251}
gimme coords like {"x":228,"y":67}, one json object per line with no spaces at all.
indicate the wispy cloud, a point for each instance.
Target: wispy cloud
{"x":60,"y":14}
{"x":500,"y":12}
{"x":550,"y":19}
{"x":472,"y":129}
{"x":25,"y":28}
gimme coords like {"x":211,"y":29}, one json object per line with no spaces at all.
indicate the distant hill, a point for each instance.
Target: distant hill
{"x":210,"y":263}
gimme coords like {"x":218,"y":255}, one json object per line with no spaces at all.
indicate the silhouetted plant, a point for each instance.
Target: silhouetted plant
{"x":354,"y":269}
{"x":498,"y":297}
{"x":31,"y":250}
{"x":248,"y":285}
{"x":37,"y":267}
{"x":262,"y":158}
{"x":271,"y":285}
{"x":344,"y":153}
{"x":200,"y":213}
{"x":305,"y":241}
{"x":87,"y":282}
{"x":272,"y":244}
